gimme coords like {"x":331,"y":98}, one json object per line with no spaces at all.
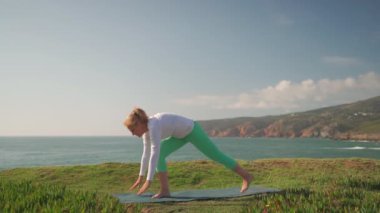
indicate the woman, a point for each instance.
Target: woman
{"x":165,"y":133}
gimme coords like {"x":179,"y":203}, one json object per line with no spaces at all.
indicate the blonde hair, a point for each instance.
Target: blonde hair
{"x":137,"y":115}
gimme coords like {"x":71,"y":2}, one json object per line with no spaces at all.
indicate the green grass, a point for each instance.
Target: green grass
{"x":25,"y":196}
{"x":309,"y":185}
{"x":369,"y":127}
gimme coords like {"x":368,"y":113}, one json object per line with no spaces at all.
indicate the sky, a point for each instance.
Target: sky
{"x":79,"y":67}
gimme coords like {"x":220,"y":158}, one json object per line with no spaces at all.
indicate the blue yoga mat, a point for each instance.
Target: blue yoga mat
{"x":191,"y":195}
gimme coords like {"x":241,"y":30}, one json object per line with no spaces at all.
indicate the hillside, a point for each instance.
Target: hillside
{"x":354,"y":121}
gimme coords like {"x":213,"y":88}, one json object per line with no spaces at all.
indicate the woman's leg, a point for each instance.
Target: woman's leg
{"x":168,"y":146}
{"x":164,"y":185}
{"x":203,"y":143}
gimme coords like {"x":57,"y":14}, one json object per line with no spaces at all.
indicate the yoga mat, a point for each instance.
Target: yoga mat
{"x":190,"y":195}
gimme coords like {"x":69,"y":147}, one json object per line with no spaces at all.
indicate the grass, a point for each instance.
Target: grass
{"x":309,"y":185}
{"x":369,"y":127}
{"x":25,"y":196}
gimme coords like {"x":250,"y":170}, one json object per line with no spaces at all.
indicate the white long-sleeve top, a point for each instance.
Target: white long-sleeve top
{"x":161,"y":126}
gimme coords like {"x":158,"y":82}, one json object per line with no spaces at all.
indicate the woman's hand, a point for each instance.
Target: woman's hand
{"x":144,"y":187}
{"x":137,"y":183}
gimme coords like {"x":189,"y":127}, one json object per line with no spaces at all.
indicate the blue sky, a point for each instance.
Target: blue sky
{"x":79,"y":67}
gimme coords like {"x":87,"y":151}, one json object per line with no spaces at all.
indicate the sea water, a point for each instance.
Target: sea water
{"x":46,"y":151}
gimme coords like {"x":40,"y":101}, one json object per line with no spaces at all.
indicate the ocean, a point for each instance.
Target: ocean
{"x":47,"y":151}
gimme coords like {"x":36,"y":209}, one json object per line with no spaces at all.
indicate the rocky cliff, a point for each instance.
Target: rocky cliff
{"x":355,"y":121}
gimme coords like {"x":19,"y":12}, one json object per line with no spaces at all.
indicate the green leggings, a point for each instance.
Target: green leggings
{"x":201,"y":141}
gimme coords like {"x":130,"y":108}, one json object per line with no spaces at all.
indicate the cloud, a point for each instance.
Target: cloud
{"x":287,"y":95}
{"x":341,"y":61}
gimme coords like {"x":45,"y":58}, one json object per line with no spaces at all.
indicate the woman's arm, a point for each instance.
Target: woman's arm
{"x":146,"y":155}
{"x":155,"y":139}
{"x":144,"y":162}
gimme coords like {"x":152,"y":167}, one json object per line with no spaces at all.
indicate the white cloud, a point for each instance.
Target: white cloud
{"x":341,"y":61}
{"x":287,"y":95}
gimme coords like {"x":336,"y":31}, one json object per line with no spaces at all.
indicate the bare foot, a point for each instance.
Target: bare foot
{"x":161,"y":195}
{"x":246,"y":182}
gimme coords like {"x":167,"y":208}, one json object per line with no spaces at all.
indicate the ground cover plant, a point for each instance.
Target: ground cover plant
{"x":308,"y":185}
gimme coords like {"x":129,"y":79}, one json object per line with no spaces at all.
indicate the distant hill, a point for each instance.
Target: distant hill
{"x":354,"y":121}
